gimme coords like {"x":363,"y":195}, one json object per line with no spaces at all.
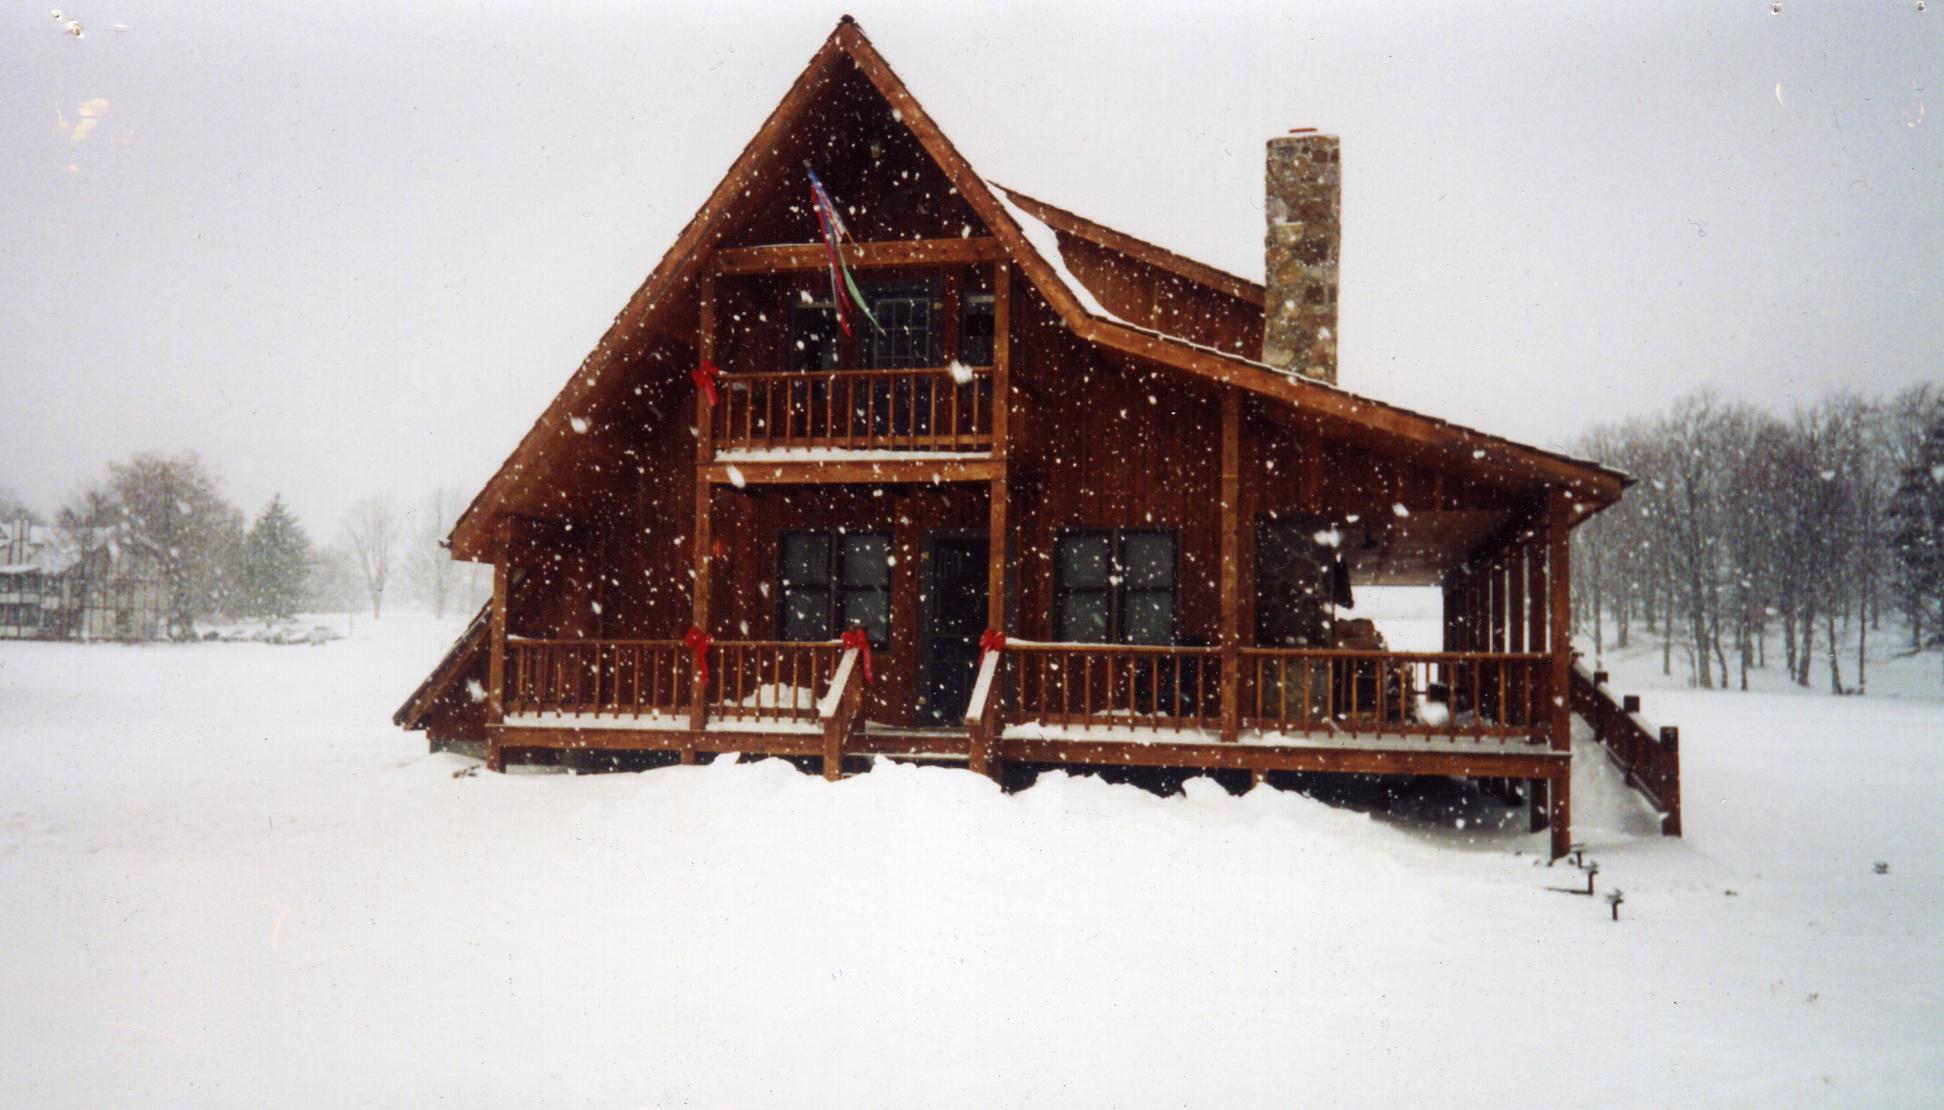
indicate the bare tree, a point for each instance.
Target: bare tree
{"x":371,"y":527}
{"x":434,"y":578}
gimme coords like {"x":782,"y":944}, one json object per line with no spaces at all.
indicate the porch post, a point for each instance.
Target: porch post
{"x":496,"y":659}
{"x":982,"y":753}
{"x":704,"y":455}
{"x":1231,"y":595}
{"x":1559,"y":508}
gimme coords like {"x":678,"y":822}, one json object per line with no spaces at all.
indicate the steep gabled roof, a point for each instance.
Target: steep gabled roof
{"x":1011,"y":221}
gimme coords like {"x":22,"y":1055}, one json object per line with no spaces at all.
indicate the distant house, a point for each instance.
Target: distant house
{"x":1023,"y":489}
{"x":52,"y":589}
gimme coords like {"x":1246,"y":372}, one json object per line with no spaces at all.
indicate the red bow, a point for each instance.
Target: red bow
{"x":699,"y":642}
{"x":990,"y":640}
{"x":705,"y":377}
{"x":855,"y":638}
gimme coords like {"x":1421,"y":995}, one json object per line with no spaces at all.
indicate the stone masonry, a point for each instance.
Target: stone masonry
{"x":1305,"y":200}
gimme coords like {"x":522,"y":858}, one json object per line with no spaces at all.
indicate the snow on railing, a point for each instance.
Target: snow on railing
{"x":1650,"y":758}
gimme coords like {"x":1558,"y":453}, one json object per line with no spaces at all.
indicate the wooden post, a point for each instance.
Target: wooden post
{"x":704,"y":455}
{"x":984,"y":754}
{"x":1559,"y":509}
{"x":496,"y":660}
{"x":1001,"y":358}
{"x":1231,"y":569}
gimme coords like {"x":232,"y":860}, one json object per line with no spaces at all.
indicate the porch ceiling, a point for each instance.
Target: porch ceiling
{"x":1416,"y":550}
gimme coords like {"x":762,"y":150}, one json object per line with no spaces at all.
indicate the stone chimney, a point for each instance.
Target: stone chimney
{"x":1305,"y":202}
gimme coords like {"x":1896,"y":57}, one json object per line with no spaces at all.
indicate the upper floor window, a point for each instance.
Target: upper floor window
{"x":833,"y":581}
{"x":908,"y":314}
{"x":1116,"y":586}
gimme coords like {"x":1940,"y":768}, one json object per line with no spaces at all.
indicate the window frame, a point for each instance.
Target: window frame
{"x":835,"y":586}
{"x":1119,"y":593}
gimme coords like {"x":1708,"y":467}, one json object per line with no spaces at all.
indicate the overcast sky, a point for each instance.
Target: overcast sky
{"x":344,"y":248}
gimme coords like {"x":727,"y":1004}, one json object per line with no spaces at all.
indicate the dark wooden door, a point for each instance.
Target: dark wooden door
{"x":954,"y":616}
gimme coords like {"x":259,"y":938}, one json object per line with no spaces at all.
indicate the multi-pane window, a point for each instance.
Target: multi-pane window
{"x":1116,"y":586}
{"x":833,"y":581}
{"x":907,"y":313}
{"x":975,"y":330}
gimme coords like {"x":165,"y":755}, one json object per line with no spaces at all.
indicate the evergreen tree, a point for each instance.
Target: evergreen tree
{"x":276,"y":563}
{"x":1917,"y":523}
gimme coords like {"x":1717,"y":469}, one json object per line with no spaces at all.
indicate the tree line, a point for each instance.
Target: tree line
{"x":165,"y":518}
{"x":1752,"y":538}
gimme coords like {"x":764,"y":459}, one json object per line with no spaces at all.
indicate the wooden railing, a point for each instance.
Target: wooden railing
{"x":749,"y":681}
{"x":839,"y":710}
{"x":1293,"y":692}
{"x":933,"y":409}
{"x":1299,"y":691}
{"x":1110,"y":686}
{"x":1650,"y":759}
{"x":769,"y":680}
{"x":620,"y":678}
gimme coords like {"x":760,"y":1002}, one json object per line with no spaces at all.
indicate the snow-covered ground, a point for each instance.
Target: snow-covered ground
{"x":228,"y":880}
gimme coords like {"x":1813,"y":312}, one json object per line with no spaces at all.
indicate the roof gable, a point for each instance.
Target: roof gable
{"x":657,"y":323}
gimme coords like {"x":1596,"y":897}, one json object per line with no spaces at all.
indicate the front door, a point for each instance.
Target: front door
{"x":954,"y":615}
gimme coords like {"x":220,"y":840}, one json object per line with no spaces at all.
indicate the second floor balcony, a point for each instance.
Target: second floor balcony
{"x":806,"y":413}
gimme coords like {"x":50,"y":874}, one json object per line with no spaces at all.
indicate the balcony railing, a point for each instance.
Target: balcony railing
{"x":933,"y":409}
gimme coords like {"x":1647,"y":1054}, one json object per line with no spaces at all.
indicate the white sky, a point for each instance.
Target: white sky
{"x":348,"y":247}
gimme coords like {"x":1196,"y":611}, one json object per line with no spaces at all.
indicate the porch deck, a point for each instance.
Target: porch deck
{"x":1456,"y":713}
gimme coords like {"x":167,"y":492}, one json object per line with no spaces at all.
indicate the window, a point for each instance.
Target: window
{"x":908,"y":313}
{"x":831,"y":582}
{"x":975,"y":330}
{"x":1115,"y":587}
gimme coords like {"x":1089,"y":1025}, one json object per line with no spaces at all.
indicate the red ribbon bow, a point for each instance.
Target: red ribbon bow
{"x":705,"y":377}
{"x":699,"y":642}
{"x":991,"y":640}
{"x":856,"y":638}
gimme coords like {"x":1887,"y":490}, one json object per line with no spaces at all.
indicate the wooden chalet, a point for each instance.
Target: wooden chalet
{"x":1059,"y":510}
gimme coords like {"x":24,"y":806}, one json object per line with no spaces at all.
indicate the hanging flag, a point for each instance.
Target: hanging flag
{"x":842,"y":285}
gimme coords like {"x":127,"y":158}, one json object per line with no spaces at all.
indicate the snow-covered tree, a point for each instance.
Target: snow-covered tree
{"x":276,"y":563}
{"x":174,"y":520}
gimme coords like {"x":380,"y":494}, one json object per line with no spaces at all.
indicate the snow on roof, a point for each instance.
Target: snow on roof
{"x":1047,"y":242}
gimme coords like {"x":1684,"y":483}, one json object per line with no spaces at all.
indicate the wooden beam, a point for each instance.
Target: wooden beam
{"x":704,"y":557}
{"x":885,"y":252}
{"x":1534,"y":762}
{"x":855,"y":471}
{"x":1231,"y":568}
{"x":1001,"y":359}
{"x":496,"y":664}
{"x":1559,"y":579}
